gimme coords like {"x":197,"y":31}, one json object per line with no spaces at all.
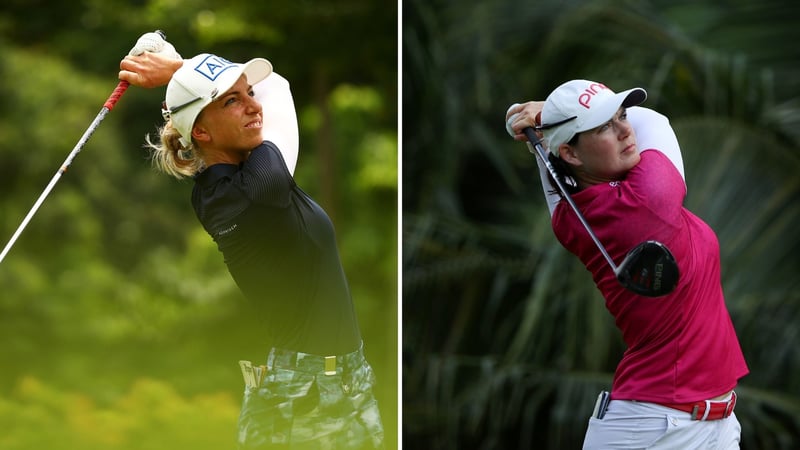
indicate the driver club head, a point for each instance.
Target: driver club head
{"x":649,"y":269}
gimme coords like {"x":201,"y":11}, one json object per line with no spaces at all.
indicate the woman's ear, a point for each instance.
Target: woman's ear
{"x":200,"y":133}
{"x":568,"y":155}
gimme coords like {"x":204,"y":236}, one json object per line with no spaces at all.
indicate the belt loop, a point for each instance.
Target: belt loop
{"x":694,"y":412}
{"x":731,"y":404}
{"x":708,"y":410}
{"x":330,"y":365}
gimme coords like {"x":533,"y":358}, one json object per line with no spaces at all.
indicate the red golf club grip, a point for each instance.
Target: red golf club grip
{"x":112,"y":99}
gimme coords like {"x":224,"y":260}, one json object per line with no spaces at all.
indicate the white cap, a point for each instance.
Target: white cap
{"x":580,"y":105}
{"x":199,"y":81}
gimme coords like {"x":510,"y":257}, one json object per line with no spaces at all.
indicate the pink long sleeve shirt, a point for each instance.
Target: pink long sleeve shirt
{"x":681,"y":347}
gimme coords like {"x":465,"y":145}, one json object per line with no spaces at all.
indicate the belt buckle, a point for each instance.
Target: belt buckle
{"x":330,"y":365}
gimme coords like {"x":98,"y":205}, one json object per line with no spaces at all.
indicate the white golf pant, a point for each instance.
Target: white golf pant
{"x":641,"y":425}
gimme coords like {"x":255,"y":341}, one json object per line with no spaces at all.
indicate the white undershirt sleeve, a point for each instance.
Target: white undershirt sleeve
{"x":279,"y":117}
{"x":653,"y":132}
{"x":551,"y":194}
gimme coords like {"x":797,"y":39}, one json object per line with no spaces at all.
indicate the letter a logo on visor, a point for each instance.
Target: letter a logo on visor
{"x":212,"y":66}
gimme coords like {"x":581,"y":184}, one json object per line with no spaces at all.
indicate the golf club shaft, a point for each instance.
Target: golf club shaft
{"x":107,"y":106}
{"x":540,"y":152}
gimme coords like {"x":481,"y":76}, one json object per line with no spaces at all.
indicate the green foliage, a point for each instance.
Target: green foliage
{"x":119,"y":324}
{"x":151,"y":414}
{"x":522,"y":342}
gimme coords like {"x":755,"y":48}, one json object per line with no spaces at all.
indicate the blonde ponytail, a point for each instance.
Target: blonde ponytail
{"x":171,"y":157}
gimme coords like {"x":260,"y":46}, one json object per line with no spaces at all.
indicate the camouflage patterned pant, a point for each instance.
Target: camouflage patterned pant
{"x":301,"y":405}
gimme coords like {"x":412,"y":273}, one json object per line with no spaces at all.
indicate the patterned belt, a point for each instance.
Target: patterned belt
{"x":306,"y":362}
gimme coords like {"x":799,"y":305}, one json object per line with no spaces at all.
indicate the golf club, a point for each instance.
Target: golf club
{"x":107,"y":106}
{"x":649,"y":269}
{"x":153,"y":42}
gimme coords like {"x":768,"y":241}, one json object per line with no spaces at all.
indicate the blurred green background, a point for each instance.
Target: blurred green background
{"x":120,"y":327}
{"x":522,"y":342}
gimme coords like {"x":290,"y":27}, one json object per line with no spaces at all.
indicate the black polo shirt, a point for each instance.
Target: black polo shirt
{"x":280,"y":248}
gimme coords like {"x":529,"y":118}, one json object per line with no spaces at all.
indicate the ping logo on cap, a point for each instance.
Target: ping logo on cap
{"x":212,"y":66}
{"x":588,"y":93}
